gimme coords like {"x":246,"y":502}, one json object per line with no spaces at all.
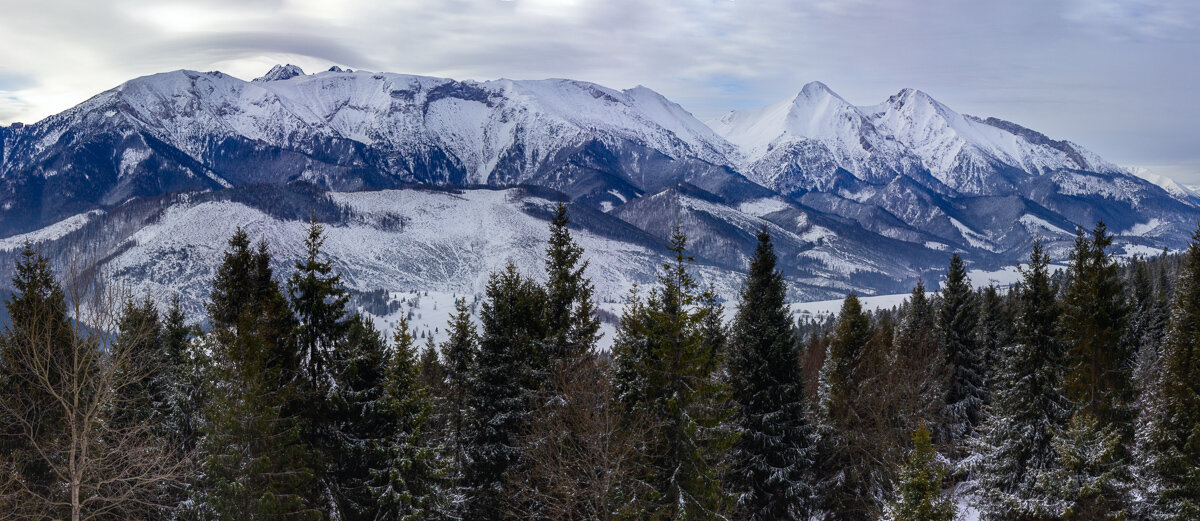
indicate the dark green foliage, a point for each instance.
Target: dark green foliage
{"x":1099,"y":357}
{"x":919,"y":495}
{"x":666,"y":354}
{"x":183,"y":378}
{"x":995,"y":332}
{"x":143,"y":399}
{"x":459,"y":353}
{"x":773,"y":458}
{"x":1017,"y":449}
{"x":407,"y":486}
{"x":319,"y":301}
{"x":849,"y":479}
{"x":957,"y":320}
{"x":571,"y":323}
{"x":505,"y":376}
{"x":1171,"y":438}
{"x":254,"y":462}
{"x":1093,"y":480}
{"x":361,"y":424}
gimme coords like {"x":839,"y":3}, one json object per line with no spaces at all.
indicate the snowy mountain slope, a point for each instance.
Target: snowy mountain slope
{"x":862,"y":198}
{"x":1179,"y":191}
{"x":974,"y":156}
{"x":821,"y":134}
{"x":392,"y":240}
{"x":910,"y":168}
{"x":350,"y":130}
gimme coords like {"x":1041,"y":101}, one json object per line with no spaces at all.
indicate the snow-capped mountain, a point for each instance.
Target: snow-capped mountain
{"x":913,"y":168}
{"x":158,"y":170}
{"x":1179,"y":191}
{"x":351,"y":130}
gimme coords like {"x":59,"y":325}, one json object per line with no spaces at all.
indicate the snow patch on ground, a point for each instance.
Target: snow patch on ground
{"x":1032,"y":222}
{"x":53,"y":232}
{"x":1144,"y":228}
{"x":761,"y":207}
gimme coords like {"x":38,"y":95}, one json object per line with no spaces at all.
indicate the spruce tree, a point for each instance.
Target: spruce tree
{"x":1094,"y":317}
{"x":1016,"y":450}
{"x":995,"y":332}
{"x":143,"y":398}
{"x":571,"y":323}
{"x":773,"y":458}
{"x":957,"y":319}
{"x":848,"y":482}
{"x":459,"y":352}
{"x":407,"y":486}
{"x":504,"y":379}
{"x":1092,"y":481}
{"x":1170,"y":441}
{"x":919,"y":495}
{"x":666,"y":360}
{"x":918,"y":329}
{"x":362,"y":421}
{"x":254,"y":464}
{"x":318,"y":300}
{"x":184,"y":380}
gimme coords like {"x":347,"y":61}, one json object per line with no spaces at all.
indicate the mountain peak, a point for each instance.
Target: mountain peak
{"x":815,"y":87}
{"x":909,"y":95}
{"x":281,"y":72}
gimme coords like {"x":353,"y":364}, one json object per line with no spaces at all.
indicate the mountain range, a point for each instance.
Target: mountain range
{"x":433,"y":182}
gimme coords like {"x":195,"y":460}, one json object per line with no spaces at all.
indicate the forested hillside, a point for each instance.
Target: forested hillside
{"x":1073,"y":395}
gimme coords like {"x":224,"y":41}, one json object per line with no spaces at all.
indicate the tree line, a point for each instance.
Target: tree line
{"x":1070,"y":396}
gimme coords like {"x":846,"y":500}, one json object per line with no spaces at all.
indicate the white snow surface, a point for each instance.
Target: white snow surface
{"x":477,"y":122}
{"x":960,"y":151}
{"x":449,"y":243}
{"x":49,"y":233}
{"x":1172,"y":187}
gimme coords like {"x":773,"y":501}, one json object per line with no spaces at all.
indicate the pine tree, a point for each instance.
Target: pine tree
{"x":958,"y":318}
{"x":1092,"y":482}
{"x":773,"y":458}
{"x":1147,"y":327}
{"x":1016,"y":450}
{"x":665,"y":357}
{"x":319,"y":301}
{"x":1094,"y":318}
{"x":362,"y":421}
{"x":1170,"y":440}
{"x":572,"y":330}
{"x":994,"y":333}
{"x":918,"y":329}
{"x":140,"y":335}
{"x":571,"y":322}
{"x":254,"y":463}
{"x":919,"y":495}
{"x":184,"y":380}
{"x":407,"y":486}
{"x":505,"y":377}
{"x":848,"y":480}
{"x":433,"y":374}
{"x":459,"y":352}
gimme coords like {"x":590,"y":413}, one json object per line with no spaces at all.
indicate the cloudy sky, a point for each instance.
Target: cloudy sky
{"x":1120,"y":77}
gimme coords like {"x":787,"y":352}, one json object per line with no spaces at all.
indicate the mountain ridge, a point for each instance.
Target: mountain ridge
{"x":880,"y":193}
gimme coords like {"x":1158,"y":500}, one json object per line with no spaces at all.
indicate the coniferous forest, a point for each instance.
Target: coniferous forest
{"x":1073,"y":395}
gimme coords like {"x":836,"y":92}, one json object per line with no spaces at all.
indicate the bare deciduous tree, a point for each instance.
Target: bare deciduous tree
{"x":580,"y":452}
{"x":64,"y":391}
